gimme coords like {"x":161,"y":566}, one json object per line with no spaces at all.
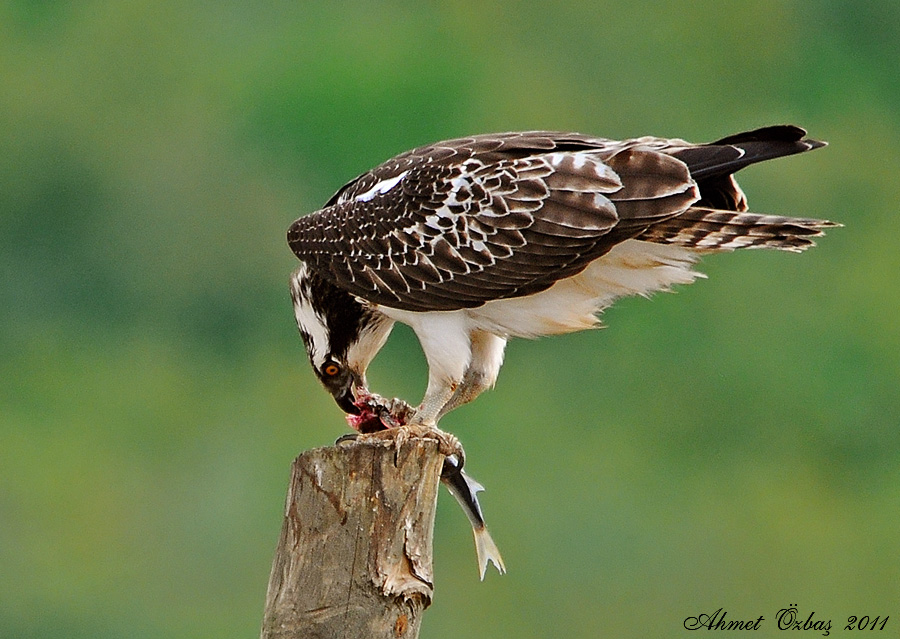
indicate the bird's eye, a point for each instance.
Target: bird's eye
{"x":331,"y":369}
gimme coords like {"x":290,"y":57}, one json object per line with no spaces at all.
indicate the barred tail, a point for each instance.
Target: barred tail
{"x":710,"y":229}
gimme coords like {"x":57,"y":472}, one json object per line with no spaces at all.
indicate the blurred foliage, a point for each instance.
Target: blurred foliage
{"x":735,"y":444}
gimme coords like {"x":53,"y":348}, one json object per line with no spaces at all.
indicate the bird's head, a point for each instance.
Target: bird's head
{"x":341,"y":335}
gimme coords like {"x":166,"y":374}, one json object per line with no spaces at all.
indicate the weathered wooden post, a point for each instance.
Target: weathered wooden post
{"x":355,"y":554}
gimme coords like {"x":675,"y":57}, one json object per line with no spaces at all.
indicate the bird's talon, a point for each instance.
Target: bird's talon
{"x":448,"y":444}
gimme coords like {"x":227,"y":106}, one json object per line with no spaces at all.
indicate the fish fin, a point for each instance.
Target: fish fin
{"x":474,"y":486}
{"x":487,"y":551}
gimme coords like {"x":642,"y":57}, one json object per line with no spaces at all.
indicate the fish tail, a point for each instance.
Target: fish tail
{"x":487,"y":551}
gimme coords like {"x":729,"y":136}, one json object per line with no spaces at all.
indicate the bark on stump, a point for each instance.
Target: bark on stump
{"x":355,"y":554}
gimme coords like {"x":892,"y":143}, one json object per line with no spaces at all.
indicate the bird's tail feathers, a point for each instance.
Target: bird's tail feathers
{"x":487,"y":551}
{"x":730,"y":154}
{"x":702,"y":228}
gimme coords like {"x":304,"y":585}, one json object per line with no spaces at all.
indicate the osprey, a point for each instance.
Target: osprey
{"x":476,"y":240}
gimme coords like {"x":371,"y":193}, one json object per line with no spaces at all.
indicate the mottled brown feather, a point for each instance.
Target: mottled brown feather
{"x":458,"y":223}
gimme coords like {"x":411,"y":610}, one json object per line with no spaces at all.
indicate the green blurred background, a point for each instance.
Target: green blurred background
{"x":733,"y":445}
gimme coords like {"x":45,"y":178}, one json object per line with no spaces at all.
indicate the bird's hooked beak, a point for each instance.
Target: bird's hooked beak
{"x":345,"y":400}
{"x":346,"y":393}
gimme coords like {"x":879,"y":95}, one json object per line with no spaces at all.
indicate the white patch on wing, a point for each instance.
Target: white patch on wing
{"x":380,"y":188}
{"x":444,"y":212}
{"x":584,"y":163}
{"x":458,"y":182}
{"x":578,"y":160}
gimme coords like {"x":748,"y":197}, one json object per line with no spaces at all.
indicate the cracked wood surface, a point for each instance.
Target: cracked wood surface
{"x":354,"y":556}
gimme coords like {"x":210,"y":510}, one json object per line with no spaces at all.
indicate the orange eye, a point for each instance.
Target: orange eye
{"x":331,"y":369}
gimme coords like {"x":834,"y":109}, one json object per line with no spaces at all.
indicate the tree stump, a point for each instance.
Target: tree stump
{"x":355,"y":554}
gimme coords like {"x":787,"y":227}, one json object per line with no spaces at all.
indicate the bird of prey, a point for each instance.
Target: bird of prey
{"x":476,"y":240}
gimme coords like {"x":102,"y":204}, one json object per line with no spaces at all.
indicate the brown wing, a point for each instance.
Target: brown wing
{"x":463,"y":222}
{"x":458,"y":223}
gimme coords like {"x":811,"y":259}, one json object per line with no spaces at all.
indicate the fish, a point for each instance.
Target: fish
{"x":465,"y":490}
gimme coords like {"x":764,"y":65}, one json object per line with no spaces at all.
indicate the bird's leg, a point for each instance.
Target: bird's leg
{"x":438,"y":395}
{"x":474,"y":383}
{"x":446,"y":343}
{"x":487,"y":357}
{"x":423,"y":420}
